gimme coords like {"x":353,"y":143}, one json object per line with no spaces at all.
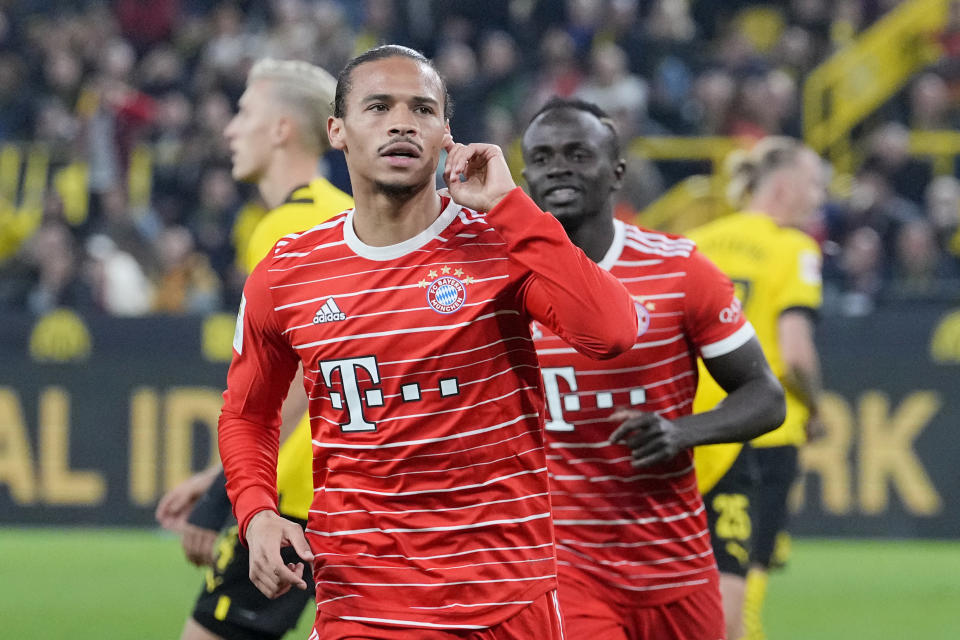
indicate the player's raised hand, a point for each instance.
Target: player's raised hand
{"x":476,"y":174}
{"x":175,"y":505}
{"x":267,"y":533}
{"x":650,"y":437}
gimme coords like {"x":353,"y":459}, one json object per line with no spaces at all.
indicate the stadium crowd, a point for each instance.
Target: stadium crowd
{"x":92,"y":81}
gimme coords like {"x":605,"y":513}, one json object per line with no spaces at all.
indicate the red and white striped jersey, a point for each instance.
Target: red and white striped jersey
{"x":642,"y":531}
{"x":431,"y":504}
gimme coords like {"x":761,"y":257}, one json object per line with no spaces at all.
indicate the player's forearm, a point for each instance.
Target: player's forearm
{"x":805,"y":383}
{"x":752,"y":409}
{"x":213,"y":507}
{"x":799,"y":352}
{"x":585,"y":304}
{"x":249,"y":454}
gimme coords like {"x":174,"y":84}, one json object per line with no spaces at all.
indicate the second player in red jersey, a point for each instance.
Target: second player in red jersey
{"x":410,"y":315}
{"x":633,"y":546}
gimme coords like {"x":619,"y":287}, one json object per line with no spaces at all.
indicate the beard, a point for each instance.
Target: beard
{"x":400,"y":191}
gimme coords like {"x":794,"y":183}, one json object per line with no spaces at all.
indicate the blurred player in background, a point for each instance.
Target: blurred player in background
{"x":776,"y":267}
{"x":276,"y":139}
{"x":431,"y":516}
{"x":634,"y":552}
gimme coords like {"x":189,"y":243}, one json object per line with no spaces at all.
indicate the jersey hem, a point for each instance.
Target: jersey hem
{"x":474,"y":620}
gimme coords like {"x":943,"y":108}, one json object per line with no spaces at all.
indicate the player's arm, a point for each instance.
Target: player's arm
{"x":799,"y":300}
{"x":258,"y":380}
{"x":795,"y":335}
{"x":567,"y":291}
{"x":755,"y":404}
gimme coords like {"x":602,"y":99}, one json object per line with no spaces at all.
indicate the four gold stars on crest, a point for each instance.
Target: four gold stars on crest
{"x":445,"y":269}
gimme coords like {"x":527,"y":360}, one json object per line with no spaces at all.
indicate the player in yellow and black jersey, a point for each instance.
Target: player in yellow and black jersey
{"x":776,"y":269}
{"x":276,"y":140}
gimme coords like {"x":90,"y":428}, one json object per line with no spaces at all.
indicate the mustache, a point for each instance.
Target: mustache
{"x":393,"y":141}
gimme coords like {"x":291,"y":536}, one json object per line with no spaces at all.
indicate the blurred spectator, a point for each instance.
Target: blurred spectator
{"x":16,"y":105}
{"x":853,"y":286}
{"x":186,"y":283}
{"x":920,"y":269}
{"x":888,"y":151}
{"x":874,"y":204}
{"x":558,"y":73}
{"x":614,"y":89}
{"x":713,"y":95}
{"x":943,"y":211}
{"x":457,"y":64}
{"x":120,"y":287}
{"x":505,"y":83}
{"x":931,"y":106}
{"x":54,"y":278}
{"x":213,"y":220}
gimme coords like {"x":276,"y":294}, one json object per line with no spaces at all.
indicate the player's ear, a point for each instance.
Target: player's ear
{"x":283,"y":130}
{"x":619,"y":170}
{"x":335,"y":133}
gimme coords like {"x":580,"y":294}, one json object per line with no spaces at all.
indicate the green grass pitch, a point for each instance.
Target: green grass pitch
{"x":119,"y":584}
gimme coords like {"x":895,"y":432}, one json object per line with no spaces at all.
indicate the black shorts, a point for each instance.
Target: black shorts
{"x":776,"y":469}
{"x":728,"y":506}
{"x":231,"y":606}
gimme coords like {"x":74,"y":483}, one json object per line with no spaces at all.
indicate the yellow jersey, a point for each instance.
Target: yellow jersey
{"x":307,"y":206}
{"x":774,"y":269}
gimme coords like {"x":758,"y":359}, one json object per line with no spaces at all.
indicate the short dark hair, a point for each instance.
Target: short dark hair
{"x":556,"y":103}
{"x":344,"y":78}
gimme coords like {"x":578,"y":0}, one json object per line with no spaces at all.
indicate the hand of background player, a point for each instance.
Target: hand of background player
{"x":198,"y":544}
{"x":175,"y":505}
{"x":815,"y":428}
{"x":651,"y":438}
{"x":486,"y":180}
{"x":267,"y":533}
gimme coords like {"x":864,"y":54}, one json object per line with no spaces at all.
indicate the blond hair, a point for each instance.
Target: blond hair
{"x":307,"y":90}
{"x":748,"y":169}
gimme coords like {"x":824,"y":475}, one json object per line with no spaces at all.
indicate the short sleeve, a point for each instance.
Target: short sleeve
{"x":802,"y":285}
{"x":713,"y":316}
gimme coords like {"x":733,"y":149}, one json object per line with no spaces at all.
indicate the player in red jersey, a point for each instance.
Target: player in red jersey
{"x":633,"y":546}
{"x":411,"y":316}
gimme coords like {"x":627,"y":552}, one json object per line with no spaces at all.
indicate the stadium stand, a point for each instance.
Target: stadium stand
{"x":115,"y":194}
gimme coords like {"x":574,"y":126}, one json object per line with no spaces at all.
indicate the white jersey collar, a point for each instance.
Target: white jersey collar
{"x":616,"y":247}
{"x":394,"y":251}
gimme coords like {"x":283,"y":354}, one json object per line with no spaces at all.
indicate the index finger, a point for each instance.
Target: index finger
{"x":447,"y":142}
{"x":634,"y":423}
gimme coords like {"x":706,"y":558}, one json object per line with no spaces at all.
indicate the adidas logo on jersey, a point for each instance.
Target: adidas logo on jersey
{"x":329,"y":312}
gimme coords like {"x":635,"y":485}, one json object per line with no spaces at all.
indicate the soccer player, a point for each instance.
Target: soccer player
{"x":276,"y":139}
{"x":411,"y":317}
{"x":633,"y":546}
{"x":776,"y":267}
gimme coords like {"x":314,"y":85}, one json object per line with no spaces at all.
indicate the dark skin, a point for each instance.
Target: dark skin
{"x":573,"y":172}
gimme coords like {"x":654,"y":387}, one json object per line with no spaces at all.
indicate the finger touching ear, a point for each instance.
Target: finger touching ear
{"x":447,"y":142}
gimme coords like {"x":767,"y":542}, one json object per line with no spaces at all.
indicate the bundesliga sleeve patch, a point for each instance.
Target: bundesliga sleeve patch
{"x":238,"y":332}
{"x":643,"y":317}
{"x":810,"y":268}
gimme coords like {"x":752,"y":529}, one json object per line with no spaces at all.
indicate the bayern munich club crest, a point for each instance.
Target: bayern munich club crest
{"x":446,"y":291}
{"x":446,"y":294}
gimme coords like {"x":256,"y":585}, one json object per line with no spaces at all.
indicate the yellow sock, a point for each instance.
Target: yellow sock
{"x":753,"y":599}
